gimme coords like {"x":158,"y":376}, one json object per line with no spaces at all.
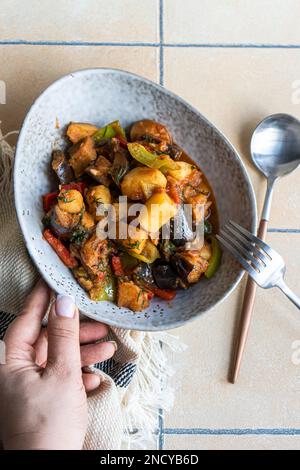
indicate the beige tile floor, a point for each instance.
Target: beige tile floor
{"x":235,"y":68}
{"x":73,"y":20}
{"x":231,"y":21}
{"x":32,"y":68}
{"x":194,"y":442}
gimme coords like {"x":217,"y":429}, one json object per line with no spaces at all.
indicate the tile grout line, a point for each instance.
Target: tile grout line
{"x":161,"y":40}
{"x":17,"y":42}
{"x":160,"y":44}
{"x":161,"y":431}
{"x":283,"y":230}
{"x":233,"y":45}
{"x":233,"y":432}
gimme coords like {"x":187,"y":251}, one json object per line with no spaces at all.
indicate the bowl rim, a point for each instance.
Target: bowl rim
{"x":18,"y":151}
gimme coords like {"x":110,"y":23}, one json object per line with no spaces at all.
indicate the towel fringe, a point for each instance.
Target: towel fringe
{"x":150,"y":390}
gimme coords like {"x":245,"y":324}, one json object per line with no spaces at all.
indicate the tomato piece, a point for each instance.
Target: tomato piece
{"x":117,"y":266}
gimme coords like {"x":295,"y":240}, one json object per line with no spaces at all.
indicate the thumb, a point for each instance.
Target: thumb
{"x":63,"y":335}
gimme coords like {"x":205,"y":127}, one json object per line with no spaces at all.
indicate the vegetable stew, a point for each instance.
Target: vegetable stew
{"x":118,"y":217}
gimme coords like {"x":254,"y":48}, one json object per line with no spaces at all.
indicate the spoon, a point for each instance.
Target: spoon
{"x":275,"y":151}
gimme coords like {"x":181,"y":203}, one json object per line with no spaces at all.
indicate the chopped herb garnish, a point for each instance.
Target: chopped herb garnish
{"x":79,"y":235}
{"x":98,"y":200}
{"x":64,"y":197}
{"x":134,"y":245}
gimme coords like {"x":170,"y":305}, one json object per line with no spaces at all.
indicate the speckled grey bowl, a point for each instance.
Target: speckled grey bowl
{"x":99,"y":96}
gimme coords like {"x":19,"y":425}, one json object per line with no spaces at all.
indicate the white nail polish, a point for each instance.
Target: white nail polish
{"x":65,"y":306}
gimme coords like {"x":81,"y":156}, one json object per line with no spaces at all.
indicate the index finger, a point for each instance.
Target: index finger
{"x":25,"y":329}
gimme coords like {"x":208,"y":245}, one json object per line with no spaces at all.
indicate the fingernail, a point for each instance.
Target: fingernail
{"x":65,"y":306}
{"x":114,"y":344}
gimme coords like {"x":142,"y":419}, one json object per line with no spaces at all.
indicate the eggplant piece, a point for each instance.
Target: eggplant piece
{"x":190,"y":265}
{"x":166,"y":249}
{"x":183,"y":267}
{"x":180,"y":232}
{"x":99,"y":170}
{"x":174,"y":151}
{"x":119,"y":167}
{"x":82,"y":155}
{"x":165,"y":276}
{"x":61,"y":167}
{"x":62,"y":223}
{"x":161,"y":275}
{"x":142,"y":274}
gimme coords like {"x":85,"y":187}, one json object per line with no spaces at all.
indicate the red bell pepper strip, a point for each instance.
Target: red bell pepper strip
{"x":117,"y":266}
{"x":49,"y":200}
{"x":162,"y":293}
{"x":122,"y":141}
{"x":79,"y":186}
{"x":60,"y":249}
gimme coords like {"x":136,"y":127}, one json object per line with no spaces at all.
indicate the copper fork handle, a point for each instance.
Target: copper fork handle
{"x":246,"y":314}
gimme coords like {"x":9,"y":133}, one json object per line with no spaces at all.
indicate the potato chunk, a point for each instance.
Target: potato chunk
{"x":135,"y":245}
{"x":70,"y":200}
{"x":184,"y":170}
{"x":141,"y":182}
{"x":87,"y":221}
{"x":200,"y":206}
{"x":132,"y":296}
{"x":82,"y":154}
{"x":95,"y":196}
{"x":78,"y":130}
{"x":160,"y":208}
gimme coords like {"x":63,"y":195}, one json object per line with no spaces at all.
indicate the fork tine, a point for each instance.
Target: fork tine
{"x":253,"y":238}
{"x":246,"y":252}
{"x":238,"y":257}
{"x":247,"y":244}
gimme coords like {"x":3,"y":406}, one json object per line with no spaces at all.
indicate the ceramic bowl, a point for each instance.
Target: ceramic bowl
{"x":99,"y":96}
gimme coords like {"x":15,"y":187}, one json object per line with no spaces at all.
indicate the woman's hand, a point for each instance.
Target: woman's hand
{"x":43,"y":401}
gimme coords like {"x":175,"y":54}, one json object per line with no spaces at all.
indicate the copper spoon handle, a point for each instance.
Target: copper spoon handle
{"x":246,"y":314}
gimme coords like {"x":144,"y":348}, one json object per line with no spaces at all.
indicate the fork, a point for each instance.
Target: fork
{"x":263,"y":264}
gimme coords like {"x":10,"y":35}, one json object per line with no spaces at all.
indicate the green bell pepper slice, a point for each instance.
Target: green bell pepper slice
{"x":162,"y":162}
{"x":106,"y":289}
{"x":215,"y":259}
{"x":112,"y":129}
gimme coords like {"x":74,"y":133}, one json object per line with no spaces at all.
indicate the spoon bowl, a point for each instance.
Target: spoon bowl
{"x":275,"y":145}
